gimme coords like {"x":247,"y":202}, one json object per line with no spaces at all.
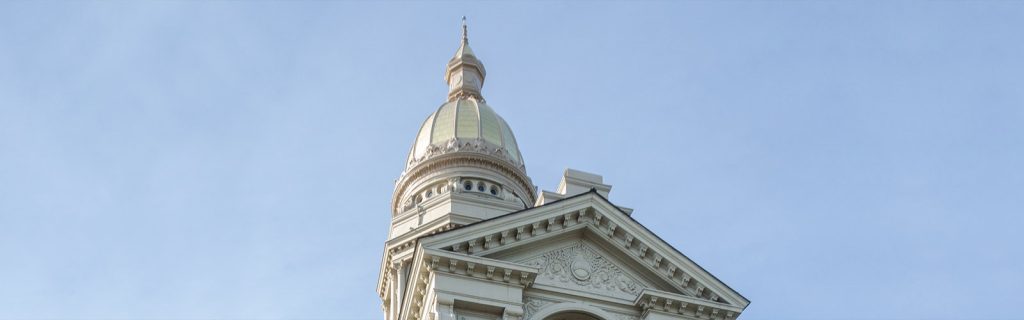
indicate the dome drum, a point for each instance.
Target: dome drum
{"x":468,"y":185}
{"x":448,"y":172}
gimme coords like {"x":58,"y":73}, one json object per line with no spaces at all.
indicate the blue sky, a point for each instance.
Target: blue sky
{"x":231,"y":159}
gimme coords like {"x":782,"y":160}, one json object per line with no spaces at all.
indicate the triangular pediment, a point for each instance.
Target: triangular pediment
{"x":584,"y":243}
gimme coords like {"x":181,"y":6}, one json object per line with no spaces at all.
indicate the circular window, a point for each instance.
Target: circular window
{"x":494,"y":190}
{"x":480,"y":187}
{"x":468,"y":185}
{"x":430,"y":193}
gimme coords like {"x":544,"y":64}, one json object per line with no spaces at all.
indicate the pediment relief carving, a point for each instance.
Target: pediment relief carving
{"x":583,"y":268}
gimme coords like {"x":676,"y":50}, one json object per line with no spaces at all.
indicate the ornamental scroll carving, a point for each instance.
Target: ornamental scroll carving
{"x":466,"y":145}
{"x":532,"y":305}
{"x":581,"y":267}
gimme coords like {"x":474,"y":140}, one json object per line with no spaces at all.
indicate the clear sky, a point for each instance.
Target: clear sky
{"x":232,"y":159}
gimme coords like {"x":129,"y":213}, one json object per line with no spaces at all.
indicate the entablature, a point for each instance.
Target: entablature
{"x":429,"y":262}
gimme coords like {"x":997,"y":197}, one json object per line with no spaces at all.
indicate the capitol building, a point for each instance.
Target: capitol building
{"x":472,"y":238}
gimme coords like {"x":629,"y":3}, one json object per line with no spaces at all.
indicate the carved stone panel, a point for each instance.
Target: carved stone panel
{"x":583,"y":268}
{"x":532,"y":305}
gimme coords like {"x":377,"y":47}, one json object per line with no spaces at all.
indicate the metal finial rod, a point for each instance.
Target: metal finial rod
{"x":465,"y":32}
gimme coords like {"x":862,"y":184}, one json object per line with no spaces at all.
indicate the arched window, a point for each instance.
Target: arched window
{"x":572,"y":315}
{"x":572,"y":311}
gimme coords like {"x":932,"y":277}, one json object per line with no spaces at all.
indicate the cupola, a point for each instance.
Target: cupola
{"x":464,"y":147}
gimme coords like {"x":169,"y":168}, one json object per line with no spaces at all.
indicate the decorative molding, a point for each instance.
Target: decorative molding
{"x":390,"y":253}
{"x":463,"y":264}
{"x":650,"y":299}
{"x":532,"y":305}
{"x":434,"y":260}
{"x":475,"y":145}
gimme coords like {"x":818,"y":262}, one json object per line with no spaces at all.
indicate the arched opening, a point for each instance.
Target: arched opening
{"x":572,"y":315}
{"x":571,"y":311}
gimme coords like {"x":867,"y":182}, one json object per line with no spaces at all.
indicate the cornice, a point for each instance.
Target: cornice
{"x":395,"y":246}
{"x":427,"y":261}
{"x":659,"y":301}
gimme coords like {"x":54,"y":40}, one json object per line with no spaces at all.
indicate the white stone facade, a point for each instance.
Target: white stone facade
{"x":471,"y":240}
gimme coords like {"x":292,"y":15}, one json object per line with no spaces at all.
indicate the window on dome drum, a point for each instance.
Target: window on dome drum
{"x":494,"y":190}
{"x":430,"y":193}
{"x":468,"y":185}
{"x":480,"y":187}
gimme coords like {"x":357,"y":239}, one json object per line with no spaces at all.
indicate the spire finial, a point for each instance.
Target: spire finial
{"x":465,"y":73}
{"x":465,"y":32}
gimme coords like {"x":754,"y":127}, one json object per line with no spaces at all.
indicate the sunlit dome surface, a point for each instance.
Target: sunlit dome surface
{"x":465,"y":124}
{"x":465,"y":121}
